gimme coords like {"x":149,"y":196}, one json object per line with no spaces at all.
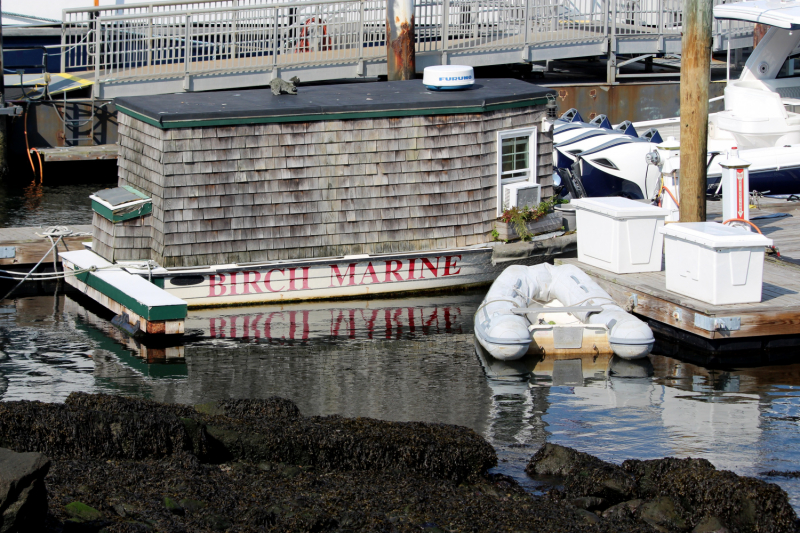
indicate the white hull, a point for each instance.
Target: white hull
{"x":349,"y":277}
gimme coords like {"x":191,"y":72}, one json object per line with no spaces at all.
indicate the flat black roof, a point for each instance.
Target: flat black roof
{"x":328,"y":102}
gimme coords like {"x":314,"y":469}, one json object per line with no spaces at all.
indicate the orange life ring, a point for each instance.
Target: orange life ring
{"x":303,"y":45}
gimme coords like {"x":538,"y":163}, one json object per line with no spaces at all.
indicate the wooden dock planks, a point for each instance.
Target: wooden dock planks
{"x":777,"y":314}
{"x":29,"y":246}
{"x":79,"y":153}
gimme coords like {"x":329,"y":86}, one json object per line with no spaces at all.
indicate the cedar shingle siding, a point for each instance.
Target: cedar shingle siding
{"x":249,"y":193}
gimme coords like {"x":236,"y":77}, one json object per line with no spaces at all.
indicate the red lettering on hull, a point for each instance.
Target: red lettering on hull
{"x":289,"y":279}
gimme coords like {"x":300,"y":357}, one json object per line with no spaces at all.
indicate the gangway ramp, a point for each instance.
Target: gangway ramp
{"x":165,"y":47}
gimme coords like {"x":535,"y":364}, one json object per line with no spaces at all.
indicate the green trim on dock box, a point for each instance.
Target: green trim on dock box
{"x":166,"y":124}
{"x":108,"y":214}
{"x":166,"y":312}
{"x":114,"y":216}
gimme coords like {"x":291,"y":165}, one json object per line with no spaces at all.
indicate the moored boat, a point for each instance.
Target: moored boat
{"x":760,"y":119}
{"x":514,"y":308}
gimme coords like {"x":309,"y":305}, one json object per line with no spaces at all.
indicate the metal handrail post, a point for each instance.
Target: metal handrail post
{"x":235,"y":31}
{"x":527,"y":23}
{"x":445,"y":24}
{"x":611,"y":67}
{"x":361,"y":32}
{"x":150,"y":37}
{"x":186,"y":44}
{"x":98,"y":25}
{"x":660,"y":21}
{"x":275,"y":41}
{"x":63,"y":45}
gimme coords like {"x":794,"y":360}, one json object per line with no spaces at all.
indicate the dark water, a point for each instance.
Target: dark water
{"x":414,"y":359}
{"x":62,"y":200}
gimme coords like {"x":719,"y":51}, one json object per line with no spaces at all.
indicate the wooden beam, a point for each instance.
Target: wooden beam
{"x":695,"y":78}
{"x":80,"y":153}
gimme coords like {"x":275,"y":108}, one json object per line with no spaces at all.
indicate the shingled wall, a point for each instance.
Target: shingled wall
{"x":128,"y":240}
{"x":248,"y":193}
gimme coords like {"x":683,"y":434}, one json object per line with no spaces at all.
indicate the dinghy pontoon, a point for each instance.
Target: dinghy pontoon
{"x":513,"y":312}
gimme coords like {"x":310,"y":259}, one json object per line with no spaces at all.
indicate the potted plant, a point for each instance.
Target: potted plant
{"x":528,"y":221}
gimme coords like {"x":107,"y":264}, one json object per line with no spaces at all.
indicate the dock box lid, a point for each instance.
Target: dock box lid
{"x":121,"y":203}
{"x":618,"y":207}
{"x":715,"y":235}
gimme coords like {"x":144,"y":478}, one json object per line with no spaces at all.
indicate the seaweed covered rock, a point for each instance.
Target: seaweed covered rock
{"x":102,"y":426}
{"x":741,"y":504}
{"x":337,"y":443}
{"x":60,"y":431}
{"x":585,"y":475}
{"x":668,"y":494}
{"x":23,"y":496}
{"x":254,"y":410}
{"x":109,"y":403}
{"x":247,"y":498}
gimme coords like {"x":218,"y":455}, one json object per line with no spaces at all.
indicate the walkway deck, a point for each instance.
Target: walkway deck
{"x":203,"y":45}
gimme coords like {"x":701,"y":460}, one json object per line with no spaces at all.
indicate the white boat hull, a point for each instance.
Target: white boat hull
{"x":356,"y":276}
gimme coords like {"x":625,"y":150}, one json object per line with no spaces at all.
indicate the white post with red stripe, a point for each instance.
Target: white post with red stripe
{"x":669,"y":156}
{"x":735,"y":187}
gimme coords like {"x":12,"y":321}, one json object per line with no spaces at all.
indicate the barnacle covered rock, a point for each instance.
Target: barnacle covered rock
{"x":742,"y":504}
{"x":585,"y":475}
{"x":103,"y":426}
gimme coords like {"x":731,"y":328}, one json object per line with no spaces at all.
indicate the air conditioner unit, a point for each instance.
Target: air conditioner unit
{"x":521,"y":194}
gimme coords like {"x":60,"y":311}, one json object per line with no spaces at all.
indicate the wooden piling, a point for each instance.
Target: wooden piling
{"x":695,"y":77}
{"x":400,"y":42}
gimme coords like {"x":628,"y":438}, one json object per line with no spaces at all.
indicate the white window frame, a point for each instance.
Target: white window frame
{"x":532,"y":133}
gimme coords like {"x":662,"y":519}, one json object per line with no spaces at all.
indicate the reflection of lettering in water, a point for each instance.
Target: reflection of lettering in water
{"x":387,"y":323}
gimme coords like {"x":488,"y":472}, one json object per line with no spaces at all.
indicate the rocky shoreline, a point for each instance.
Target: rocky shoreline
{"x":114,"y":464}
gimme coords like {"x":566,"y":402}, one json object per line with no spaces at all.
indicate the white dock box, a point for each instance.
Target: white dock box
{"x":619,"y":234}
{"x":714,"y":263}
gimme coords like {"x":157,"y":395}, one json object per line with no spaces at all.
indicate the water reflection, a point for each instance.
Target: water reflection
{"x":415,"y":359}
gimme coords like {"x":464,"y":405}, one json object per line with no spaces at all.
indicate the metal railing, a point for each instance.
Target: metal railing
{"x":163,"y":39}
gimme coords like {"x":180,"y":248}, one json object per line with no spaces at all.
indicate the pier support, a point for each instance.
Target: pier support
{"x":3,"y":118}
{"x":400,"y":42}
{"x":695,"y":78}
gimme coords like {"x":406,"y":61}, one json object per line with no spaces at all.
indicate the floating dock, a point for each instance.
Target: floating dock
{"x":142,"y":306}
{"x":24,"y":247}
{"x":778,"y":313}
{"x":773,"y":323}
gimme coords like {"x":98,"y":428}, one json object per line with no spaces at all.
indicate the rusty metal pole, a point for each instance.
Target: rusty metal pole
{"x":400,"y":41}
{"x":695,"y":78}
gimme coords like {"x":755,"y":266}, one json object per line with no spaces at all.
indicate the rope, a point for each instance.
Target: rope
{"x":34,"y":268}
{"x":62,"y":231}
{"x":742,"y":220}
